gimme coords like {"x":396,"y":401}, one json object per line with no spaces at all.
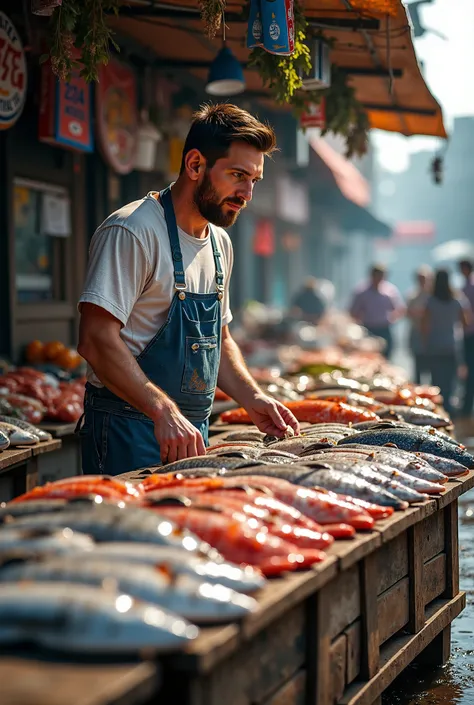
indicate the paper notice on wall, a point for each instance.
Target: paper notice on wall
{"x":55,"y":215}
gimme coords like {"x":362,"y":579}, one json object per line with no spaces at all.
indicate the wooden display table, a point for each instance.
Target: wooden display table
{"x":19,"y":468}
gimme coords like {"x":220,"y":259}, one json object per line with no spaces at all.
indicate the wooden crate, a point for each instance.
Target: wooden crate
{"x":341,"y":632}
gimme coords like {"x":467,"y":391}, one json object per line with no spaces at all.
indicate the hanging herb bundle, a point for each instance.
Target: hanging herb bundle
{"x":211,"y":14}
{"x":81,"y":24}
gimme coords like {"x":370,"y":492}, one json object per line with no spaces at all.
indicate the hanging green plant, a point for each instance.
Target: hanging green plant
{"x":211,"y":14}
{"x":81,"y":24}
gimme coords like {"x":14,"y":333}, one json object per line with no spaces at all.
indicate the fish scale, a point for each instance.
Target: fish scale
{"x":345,"y":483}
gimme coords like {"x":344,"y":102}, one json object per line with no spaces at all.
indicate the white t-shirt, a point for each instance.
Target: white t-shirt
{"x":130,"y":270}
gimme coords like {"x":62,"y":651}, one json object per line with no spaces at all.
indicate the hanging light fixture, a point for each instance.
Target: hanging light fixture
{"x":226,"y":76}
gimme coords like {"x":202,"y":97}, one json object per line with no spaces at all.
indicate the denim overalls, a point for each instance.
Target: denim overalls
{"x":182,"y":359}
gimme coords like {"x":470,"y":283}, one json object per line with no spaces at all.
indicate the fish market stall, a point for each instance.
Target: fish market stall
{"x":308,"y":569}
{"x":19,"y":468}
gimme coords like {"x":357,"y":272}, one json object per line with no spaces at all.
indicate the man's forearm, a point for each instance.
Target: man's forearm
{"x":117,"y":369}
{"x":234,"y":377}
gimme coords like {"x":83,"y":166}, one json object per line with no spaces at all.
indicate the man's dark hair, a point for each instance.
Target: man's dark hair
{"x":215,"y":127}
{"x":466,"y":264}
{"x":377,"y":269}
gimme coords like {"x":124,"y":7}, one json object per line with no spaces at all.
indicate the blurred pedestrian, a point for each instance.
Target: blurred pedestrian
{"x":440,"y":323}
{"x":376,"y":305}
{"x":308,"y":304}
{"x":416,"y":303}
{"x":466,"y":269}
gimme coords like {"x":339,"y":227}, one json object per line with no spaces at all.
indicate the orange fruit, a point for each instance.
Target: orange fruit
{"x":53,"y":349}
{"x":35,"y":351}
{"x":68,"y":359}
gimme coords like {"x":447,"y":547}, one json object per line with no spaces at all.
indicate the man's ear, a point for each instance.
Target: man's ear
{"x":194,"y":164}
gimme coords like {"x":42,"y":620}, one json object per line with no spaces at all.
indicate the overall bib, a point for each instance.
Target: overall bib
{"x":182,"y":359}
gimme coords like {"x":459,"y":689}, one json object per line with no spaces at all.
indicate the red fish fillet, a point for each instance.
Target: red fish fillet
{"x":311,"y":410}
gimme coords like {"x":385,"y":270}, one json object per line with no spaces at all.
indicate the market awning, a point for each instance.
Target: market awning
{"x":375,"y":48}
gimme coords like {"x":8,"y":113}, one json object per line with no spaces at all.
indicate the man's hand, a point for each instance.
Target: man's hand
{"x":271,"y":416}
{"x":176,"y":436}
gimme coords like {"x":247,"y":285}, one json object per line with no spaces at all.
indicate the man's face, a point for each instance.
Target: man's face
{"x":225,"y":189}
{"x":377,"y":278}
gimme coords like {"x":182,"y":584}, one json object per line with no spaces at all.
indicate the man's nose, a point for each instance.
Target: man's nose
{"x":245,"y":191}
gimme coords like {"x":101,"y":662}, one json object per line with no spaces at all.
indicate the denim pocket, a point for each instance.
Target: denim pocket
{"x":201,"y":365}
{"x":93,"y":436}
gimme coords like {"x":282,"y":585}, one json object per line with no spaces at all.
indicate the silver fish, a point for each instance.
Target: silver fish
{"x":4,"y":441}
{"x":118,"y":524}
{"x":25,"y":426}
{"x":83,"y":619}
{"x":206,"y":461}
{"x":388,"y":423}
{"x":25,"y":542}
{"x":17,"y":436}
{"x":249,"y":435}
{"x":371,"y":473}
{"x":243,"y":579}
{"x":418,"y":416}
{"x":296,"y":445}
{"x":277,"y":454}
{"x":292,"y":473}
{"x":278,"y":458}
{"x":9,"y":510}
{"x":244,"y":451}
{"x":346,"y":484}
{"x":178,"y":592}
{"x":448,"y":467}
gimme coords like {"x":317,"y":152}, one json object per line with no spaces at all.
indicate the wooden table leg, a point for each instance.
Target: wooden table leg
{"x":438,"y":652}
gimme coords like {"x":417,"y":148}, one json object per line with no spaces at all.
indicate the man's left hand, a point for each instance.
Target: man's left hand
{"x":271,"y":416}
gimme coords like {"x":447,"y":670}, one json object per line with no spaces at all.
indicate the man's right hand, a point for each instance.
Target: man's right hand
{"x":176,"y":436}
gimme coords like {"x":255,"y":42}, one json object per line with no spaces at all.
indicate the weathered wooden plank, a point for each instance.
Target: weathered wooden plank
{"x":400,"y":521}
{"x":345,"y":601}
{"x":30,"y":681}
{"x":392,"y":562}
{"x":349,"y":552}
{"x":415,"y":572}
{"x":434,"y":578}
{"x":393,"y":610}
{"x":10,"y":458}
{"x":213,"y":645}
{"x":353,"y":634}
{"x":455,"y":489}
{"x":45,"y":447}
{"x":264,"y":663}
{"x":322,"y":667}
{"x":369,"y":656}
{"x":438,"y":652}
{"x":402,"y":650}
{"x":337,"y":655}
{"x":432,"y":539}
{"x":451,"y":538}
{"x":291,"y":693}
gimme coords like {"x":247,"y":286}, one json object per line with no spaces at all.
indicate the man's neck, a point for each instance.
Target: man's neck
{"x":188,"y":217}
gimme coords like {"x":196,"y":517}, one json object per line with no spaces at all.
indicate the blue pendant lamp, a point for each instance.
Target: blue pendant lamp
{"x":226,"y":76}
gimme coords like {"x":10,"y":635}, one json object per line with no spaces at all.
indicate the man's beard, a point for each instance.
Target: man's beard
{"x":212,"y":208}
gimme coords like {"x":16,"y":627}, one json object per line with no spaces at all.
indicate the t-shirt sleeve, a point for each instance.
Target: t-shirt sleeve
{"x":226,"y":310}
{"x":117,"y":271}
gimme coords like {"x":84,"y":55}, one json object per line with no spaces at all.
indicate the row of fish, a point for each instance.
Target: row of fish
{"x":16,"y":432}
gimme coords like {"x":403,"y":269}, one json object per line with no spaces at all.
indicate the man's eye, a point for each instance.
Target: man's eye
{"x":238,"y":174}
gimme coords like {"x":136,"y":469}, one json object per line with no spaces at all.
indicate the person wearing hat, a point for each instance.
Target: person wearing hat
{"x":155,"y":308}
{"x":376,"y":305}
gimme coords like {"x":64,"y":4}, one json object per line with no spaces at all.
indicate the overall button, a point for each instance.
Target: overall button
{"x":182,"y":295}
{"x":195,"y":346}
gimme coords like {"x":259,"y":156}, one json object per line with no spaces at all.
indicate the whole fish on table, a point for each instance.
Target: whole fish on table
{"x":4,"y":441}
{"x":279,"y":456}
{"x":180,"y":593}
{"x":17,"y":436}
{"x":311,"y":410}
{"x":346,"y":483}
{"x":169,"y":560}
{"x":414,"y":441}
{"x":116,"y":524}
{"x":388,"y":423}
{"x":104,"y":485}
{"x":205,"y":461}
{"x":238,"y":543}
{"x":9,"y":510}
{"x":25,"y":426}
{"x":249,"y":435}
{"x":417,"y":416}
{"x":25,"y":542}
{"x":375,"y":475}
{"x":449,"y":468}
{"x":296,"y":445}
{"x":89,"y":620}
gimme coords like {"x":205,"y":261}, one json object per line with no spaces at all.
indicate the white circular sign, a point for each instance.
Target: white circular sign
{"x":13,"y":74}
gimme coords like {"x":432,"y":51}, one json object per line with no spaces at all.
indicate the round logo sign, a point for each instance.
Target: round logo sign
{"x":12,"y":74}
{"x":274,"y":30}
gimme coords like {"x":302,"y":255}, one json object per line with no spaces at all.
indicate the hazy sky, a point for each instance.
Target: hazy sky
{"x":448,"y":71}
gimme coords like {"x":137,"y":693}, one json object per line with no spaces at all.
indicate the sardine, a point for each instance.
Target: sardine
{"x":418,"y":416}
{"x":16,"y":541}
{"x":117,"y":524}
{"x":89,"y":620}
{"x":170,"y":560}
{"x":206,"y":461}
{"x":450,"y":468}
{"x":4,"y":441}
{"x":387,"y":423}
{"x":181,"y":593}
{"x":346,"y":483}
{"x":245,"y":450}
{"x":296,"y":445}
{"x":17,"y":436}
{"x":25,"y":426}
{"x":371,"y":473}
{"x":415,"y":441}
{"x":291,"y":473}
{"x":249,"y":435}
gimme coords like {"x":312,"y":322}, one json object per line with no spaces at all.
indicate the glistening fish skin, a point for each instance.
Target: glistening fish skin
{"x":25,"y":426}
{"x":17,"y":436}
{"x":180,"y":593}
{"x":387,"y":423}
{"x":206,"y":461}
{"x":243,"y":579}
{"x":84,"y":619}
{"x":10,"y":510}
{"x":415,"y":441}
{"x":418,"y":416}
{"x":4,"y":441}
{"x":21,"y":542}
{"x":450,"y":468}
{"x":115,"y":524}
{"x":345,"y":483}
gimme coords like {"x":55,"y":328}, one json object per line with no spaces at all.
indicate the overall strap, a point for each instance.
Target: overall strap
{"x":170,"y":217}
{"x":217,"y":262}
